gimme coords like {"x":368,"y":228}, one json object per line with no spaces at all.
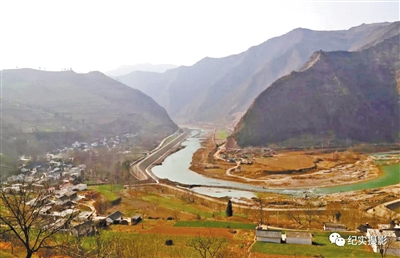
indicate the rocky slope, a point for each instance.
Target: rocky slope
{"x":337,"y":97}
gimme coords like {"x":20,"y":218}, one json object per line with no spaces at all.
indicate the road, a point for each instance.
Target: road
{"x":250,"y":205}
{"x":143,"y":167}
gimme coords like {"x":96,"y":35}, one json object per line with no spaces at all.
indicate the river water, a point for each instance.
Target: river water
{"x":176,"y":168}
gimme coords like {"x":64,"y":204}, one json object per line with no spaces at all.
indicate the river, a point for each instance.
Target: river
{"x":176,"y":168}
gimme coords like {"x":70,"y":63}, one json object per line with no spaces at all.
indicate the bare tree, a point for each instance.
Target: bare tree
{"x":310,"y":213}
{"x":188,"y":196}
{"x":74,"y":246}
{"x":175,"y":215}
{"x":333,"y":210}
{"x":208,"y":246}
{"x":384,"y":245}
{"x":154,"y":202}
{"x":261,"y":214}
{"x":295,"y":216}
{"x":21,"y":215}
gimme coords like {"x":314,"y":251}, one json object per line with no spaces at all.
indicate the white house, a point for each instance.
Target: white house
{"x":328,"y":226}
{"x":268,"y":236}
{"x":80,"y":187}
{"x":296,"y":237}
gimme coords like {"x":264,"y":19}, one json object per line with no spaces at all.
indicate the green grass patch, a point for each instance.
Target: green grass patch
{"x":178,"y":205}
{"x":389,"y":177}
{"x":7,"y":254}
{"x":323,"y":247}
{"x":222,"y":134}
{"x":215,"y":224}
{"x":145,"y":245}
{"x":109,"y":191}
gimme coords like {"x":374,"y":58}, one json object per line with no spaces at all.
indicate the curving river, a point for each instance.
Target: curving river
{"x":176,"y":168}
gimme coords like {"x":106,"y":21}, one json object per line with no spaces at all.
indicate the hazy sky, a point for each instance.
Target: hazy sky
{"x":101,"y":35}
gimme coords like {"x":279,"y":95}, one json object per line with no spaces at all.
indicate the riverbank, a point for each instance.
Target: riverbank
{"x":290,"y":169}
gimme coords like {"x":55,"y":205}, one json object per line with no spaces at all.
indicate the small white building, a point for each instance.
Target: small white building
{"x":80,"y":187}
{"x":297,"y":237}
{"x":270,"y":236}
{"x":375,"y":233}
{"x":329,"y":226}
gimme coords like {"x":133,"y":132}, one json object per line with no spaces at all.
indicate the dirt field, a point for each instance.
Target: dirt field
{"x":163,"y":227}
{"x":286,"y":162}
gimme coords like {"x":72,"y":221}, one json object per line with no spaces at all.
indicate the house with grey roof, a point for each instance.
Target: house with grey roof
{"x":329,"y":226}
{"x":84,"y":229}
{"x":299,"y":237}
{"x":114,"y":218}
{"x":271,"y":236}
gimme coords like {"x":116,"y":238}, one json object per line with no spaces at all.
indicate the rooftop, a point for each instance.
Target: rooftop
{"x":115,"y":215}
{"x":334,"y":225}
{"x":269,"y":233}
{"x":298,"y":234}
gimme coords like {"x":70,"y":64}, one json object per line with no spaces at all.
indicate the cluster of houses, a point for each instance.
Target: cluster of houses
{"x":116,"y":218}
{"x":114,"y":142}
{"x":65,"y":201}
{"x":44,"y":174}
{"x":239,"y":155}
{"x":56,"y":168}
{"x":234,"y":158}
{"x":60,"y":179}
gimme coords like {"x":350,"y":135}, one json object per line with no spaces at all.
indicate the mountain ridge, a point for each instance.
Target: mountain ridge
{"x":215,"y":90}
{"x":147,"y":67}
{"x":340,"y":95}
{"x":88,"y":106}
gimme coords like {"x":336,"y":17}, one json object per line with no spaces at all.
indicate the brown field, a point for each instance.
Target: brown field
{"x":163,"y":227}
{"x":286,"y":161}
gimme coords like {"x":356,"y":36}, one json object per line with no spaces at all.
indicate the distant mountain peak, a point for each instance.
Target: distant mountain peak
{"x":215,"y":89}
{"x":146,"y":67}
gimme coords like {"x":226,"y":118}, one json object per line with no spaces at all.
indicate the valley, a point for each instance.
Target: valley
{"x":263,"y":153}
{"x":286,"y":170}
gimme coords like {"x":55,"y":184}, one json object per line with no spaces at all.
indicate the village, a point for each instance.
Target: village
{"x":67,"y":196}
{"x":70,"y":196}
{"x":57,"y":175}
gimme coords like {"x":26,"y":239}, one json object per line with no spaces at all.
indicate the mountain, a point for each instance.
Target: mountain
{"x":218,"y":90}
{"x":125,"y":69}
{"x":58,"y":108}
{"x":338,"y":97}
